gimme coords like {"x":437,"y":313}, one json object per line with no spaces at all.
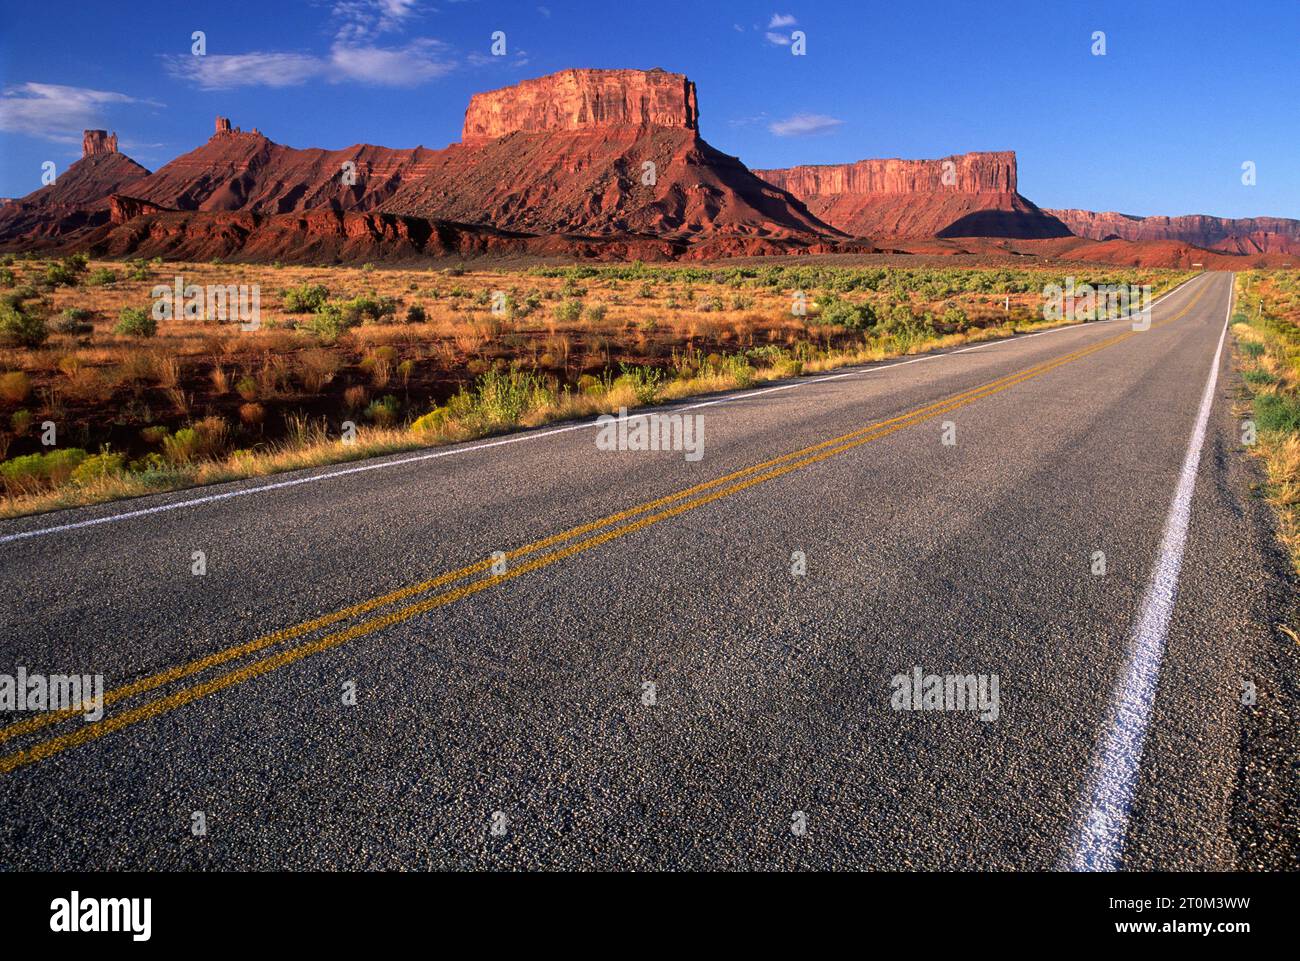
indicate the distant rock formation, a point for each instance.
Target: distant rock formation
{"x":591,"y":152}
{"x":76,"y":202}
{"x":96,"y":142}
{"x":1247,"y":235}
{"x":965,"y":195}
{"x":583,"y":100}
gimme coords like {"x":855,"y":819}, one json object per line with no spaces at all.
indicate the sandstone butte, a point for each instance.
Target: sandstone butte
{"x":967,"y":195}
{"x":605,"y":164}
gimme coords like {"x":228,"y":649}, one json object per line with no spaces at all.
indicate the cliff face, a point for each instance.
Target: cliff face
{"x":966,"y":195}
{"x":970,"y":173}
{"x":583,"y":100}
{"x":1248,"y":235}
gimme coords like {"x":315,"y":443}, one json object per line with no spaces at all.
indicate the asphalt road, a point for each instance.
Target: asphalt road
{"x":501,"y":720}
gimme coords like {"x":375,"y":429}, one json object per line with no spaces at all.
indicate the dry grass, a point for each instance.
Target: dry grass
{"x":276,"y":388}
{"x":1267,"y":330}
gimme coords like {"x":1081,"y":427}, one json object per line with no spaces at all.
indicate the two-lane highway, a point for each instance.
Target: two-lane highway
{"x":535,"y":652}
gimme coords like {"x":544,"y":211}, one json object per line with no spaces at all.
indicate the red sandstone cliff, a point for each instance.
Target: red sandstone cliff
{"x":1250,"y":235}
{"x":599,"y":152}
{"x":967,"y":195}
{"x":583,"y":100}
{"x":592,"y":152}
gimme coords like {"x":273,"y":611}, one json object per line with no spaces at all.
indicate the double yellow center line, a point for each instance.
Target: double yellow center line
{"x":565,"y":544}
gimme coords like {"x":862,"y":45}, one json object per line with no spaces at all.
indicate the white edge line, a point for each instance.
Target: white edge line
{"x":515,"y":439}
{"x":1100,"y":845}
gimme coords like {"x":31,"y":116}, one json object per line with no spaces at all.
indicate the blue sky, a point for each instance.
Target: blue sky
{"x":1186,"y":93}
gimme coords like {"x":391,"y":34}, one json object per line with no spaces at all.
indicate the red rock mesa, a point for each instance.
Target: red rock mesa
{"x":1249,"y":235}
{"x":966,"y":195}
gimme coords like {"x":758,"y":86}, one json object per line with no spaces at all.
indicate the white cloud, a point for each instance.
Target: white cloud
{"x":355,"y":55}
{"x":55,"y":112}
{"x":221,"y":71}
{"x":781,"y":20}
{"x":415,"y":63}
{"x":418,"y":61}
{"x":778,"y":38}
{"x":517,"y":59}
{"x":364,"y":20}
{"x":804,"y":125}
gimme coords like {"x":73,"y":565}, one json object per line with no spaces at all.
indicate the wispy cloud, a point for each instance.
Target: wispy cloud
{"x":354,"y":56}
{"x":221,"y":71}
{"x":417,"y":62}
{"x":364,"y":20}
{"x":518,"y":58}
{"x":56,"y":112}
{"x":407,"y":66}
{"x":779,"y":21}
{"x":804,"y":125}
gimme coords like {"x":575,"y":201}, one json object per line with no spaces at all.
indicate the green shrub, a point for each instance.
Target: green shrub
{"x":384,"y":411}
{"x":74,"y":320}
{"x":740,"y":369}
{"x":331,"y":321}
{"x":62,"y":274}
{"x":99,"y":466}
{"x":21,"y":325}
{"x":596,"y":313}
{"x":305,"y":299}
{"x":841,"y":313}
{"x":101,"y":276}
{"x":435,"y":420}
{"x":415,"y":314}
{"x":1277,"y":412}
{"x":205,"y":438}
{"x":35,"y":472}
{"x":644,"y":381}
{"x":956,"y":318}
{"x":7,"y":277}
{"x":503,"y":397}
{"x":182,"y":446}
{"x":568,"y":311}
{"x":367,"y":310}
{"x":136,"y":322}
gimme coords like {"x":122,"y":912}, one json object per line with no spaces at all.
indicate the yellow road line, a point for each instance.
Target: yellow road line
{"x":782,"y":465}
{"x":269,"y":640}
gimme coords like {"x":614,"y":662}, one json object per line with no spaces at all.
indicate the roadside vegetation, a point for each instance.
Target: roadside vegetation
{"x":1266,"y":325}
{"x":353,"y":362}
